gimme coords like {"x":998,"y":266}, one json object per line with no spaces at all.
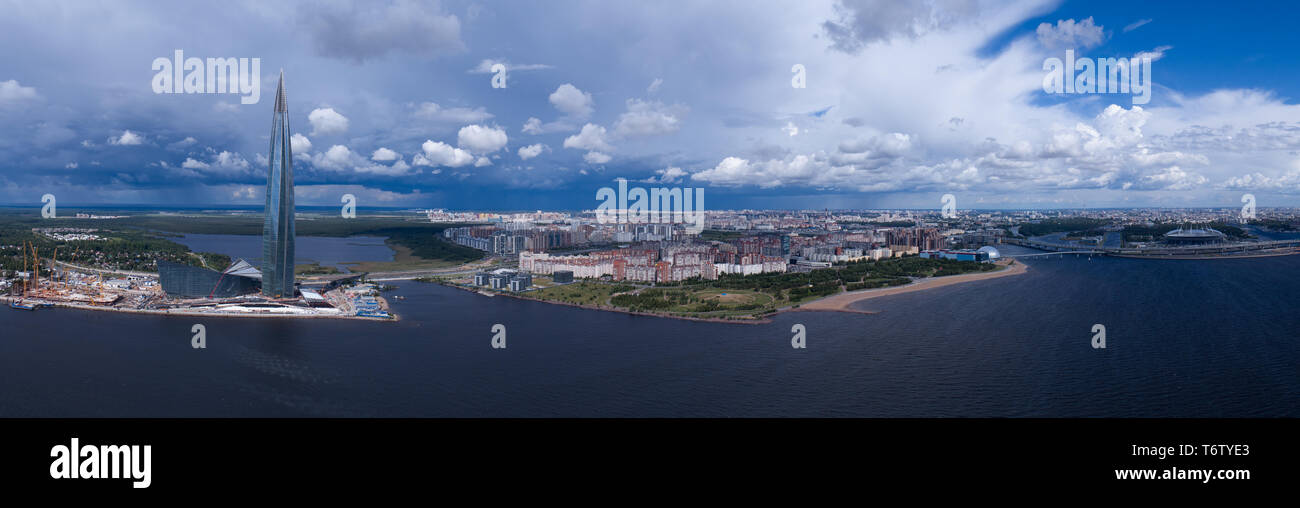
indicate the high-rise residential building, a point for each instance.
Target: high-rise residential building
{"x":277,"y":228}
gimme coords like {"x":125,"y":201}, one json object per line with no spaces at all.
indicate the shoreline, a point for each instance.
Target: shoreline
{"x":835,"y":303}
{"x":65,"y":305}
{"x":738,"y":321}
{"x":1262,"y":254}
{"x":842,"y":302}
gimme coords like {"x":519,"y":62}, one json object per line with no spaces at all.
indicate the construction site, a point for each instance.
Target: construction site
{"x":49,"y":282}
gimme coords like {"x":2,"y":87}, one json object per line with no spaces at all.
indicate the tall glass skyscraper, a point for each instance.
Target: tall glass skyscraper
{"x":277,"y":230}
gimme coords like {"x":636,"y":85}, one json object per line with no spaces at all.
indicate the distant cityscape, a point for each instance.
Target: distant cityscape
{"x":747,"y":242}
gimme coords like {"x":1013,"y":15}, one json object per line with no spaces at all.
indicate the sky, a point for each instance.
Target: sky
{"x":902,"y":102}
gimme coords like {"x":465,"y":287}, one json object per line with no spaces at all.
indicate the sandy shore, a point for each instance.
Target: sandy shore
{"x":843,"y":302}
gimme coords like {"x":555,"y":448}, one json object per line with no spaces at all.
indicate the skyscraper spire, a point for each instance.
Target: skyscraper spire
{"x":277,"y":227}
{"x":281,"y":102}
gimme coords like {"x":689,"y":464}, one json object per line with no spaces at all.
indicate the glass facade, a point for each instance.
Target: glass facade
{"x":277,"y":228}
{"x":187,"y":281}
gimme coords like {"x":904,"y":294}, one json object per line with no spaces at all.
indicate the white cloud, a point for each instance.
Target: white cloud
{"x":432,"y":111}
{"x":482,"y":161}
{"x":667,"y":175}
{"x":532,"y":126}
{"x":342,"y":158}
{"x":654,"y":86}
{"x":244,"y":192}
{"x":890,"y":145}
{"x":1154,"y":54}
{"x":384,"y":155}
{"x":645,"y":118}
{"x":596,"y":158}
{"x":127,"y":138}
{"x":337,"y":158}
{"x":325,"y":121}
{"x":731,"y":171}
{"x":223,"y":162}
{"x":481,"y":139}
{"x":530,"y":151}
{"x":860,"y":24}
{"x":182,"y":144}
{"x":894,"y":144}
{"x":1069,"y":34}
{"x":231,"y":160}
{"x":1171,"y":178}
{"x":11,"y":92}
{"x":535,"y":126}
{"x":437,"y":153}
{"x":398,"y":168}
{"x":791,"y":129}
{"x":1136,"y":24}
{"x":190,"y":163}
{"x":592,"y":137}
{"x":572,"y":101}
{"x":70,"y":165}
{"x":299,"y":144}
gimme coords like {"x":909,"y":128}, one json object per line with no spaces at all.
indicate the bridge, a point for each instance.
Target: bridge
{"x":1057,"y":253}
{"x":1193,"y":250}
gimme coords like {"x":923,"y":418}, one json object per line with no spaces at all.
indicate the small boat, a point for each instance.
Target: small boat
{"x":21,"y":305}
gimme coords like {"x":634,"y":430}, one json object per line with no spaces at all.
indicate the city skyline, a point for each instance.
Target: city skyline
{"x":900,"y":105}
{"x":1007,"y":214}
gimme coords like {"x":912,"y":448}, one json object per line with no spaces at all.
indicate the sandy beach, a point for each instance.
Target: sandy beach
{"x":843,"y":302}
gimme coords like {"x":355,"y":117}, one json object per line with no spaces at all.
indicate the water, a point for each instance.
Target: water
{"x":328,"y":251}
{"x":1184,"y":338}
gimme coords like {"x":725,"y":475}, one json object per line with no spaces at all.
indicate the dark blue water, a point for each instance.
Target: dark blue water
{"x":328,"y":251}
{"x":1184,"y":338}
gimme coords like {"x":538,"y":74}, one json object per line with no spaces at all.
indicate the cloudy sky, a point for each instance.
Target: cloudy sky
{"x":904,"y":101}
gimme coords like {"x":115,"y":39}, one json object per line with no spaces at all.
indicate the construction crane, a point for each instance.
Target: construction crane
{"x":36,"y":268}
{"x":29,"y":274}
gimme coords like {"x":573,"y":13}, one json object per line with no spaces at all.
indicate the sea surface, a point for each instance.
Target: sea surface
{"x":1214,"y":338}
{"x":328,"y":251}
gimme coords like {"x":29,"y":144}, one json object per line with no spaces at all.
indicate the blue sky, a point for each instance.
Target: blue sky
{"x":905,"y":102}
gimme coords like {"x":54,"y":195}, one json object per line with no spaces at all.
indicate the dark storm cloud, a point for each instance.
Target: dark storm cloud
{"x":358,"y":32}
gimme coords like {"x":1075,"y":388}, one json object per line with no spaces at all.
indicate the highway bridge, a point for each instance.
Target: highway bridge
{"x":1057,"y":253}
{"x":1191,"y":250}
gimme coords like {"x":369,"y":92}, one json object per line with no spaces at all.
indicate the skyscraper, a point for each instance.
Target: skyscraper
{"x":277,"y":228}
